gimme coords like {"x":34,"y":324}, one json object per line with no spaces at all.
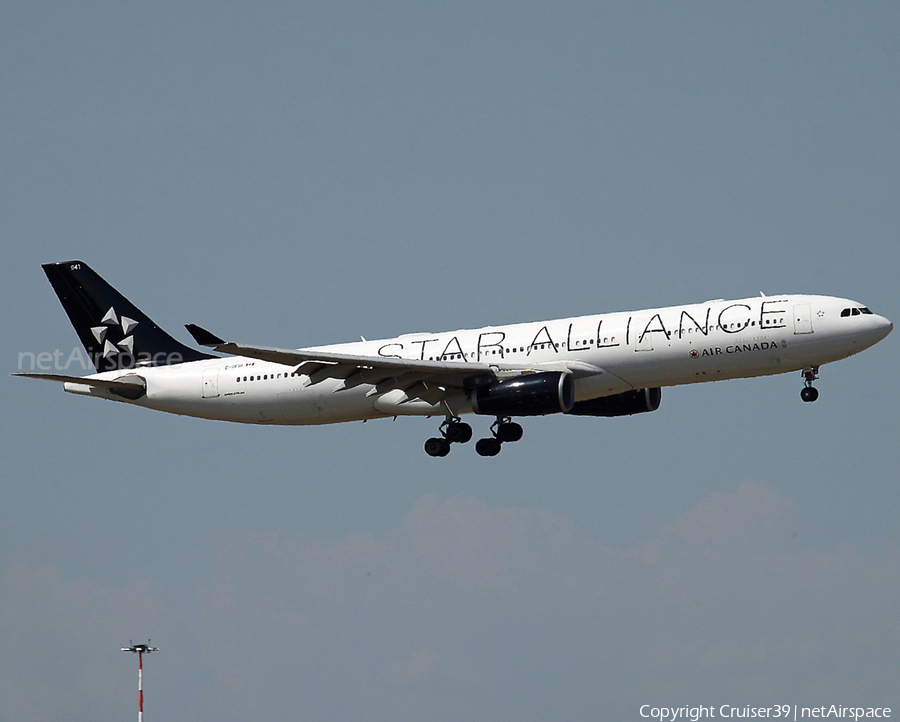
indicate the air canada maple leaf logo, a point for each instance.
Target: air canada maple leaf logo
{"x":114,"y":334}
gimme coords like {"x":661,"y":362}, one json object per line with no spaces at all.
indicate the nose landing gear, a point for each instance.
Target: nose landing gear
{"x":453,"y":431}
{"x":809,"y":392}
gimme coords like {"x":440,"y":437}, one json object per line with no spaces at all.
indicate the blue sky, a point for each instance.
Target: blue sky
{"x":300,"y":174}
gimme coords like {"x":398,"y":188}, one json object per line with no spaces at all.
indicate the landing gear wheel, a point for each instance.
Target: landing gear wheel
{"x":488,"y":447}
{"x":509,"y":431}
{"x":453,"y":431}
{"x":458,"y":432}
{"x":809,"y":392}
{"x":437,"y":447}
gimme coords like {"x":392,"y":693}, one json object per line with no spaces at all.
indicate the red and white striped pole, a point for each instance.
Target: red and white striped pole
{"x":140,"y":649}
{"x":140,"y":686}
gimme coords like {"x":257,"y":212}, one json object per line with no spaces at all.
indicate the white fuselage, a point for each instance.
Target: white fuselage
{"x":642,"y":349}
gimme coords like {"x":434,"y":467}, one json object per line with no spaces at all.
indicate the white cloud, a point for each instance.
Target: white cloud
{"x":422,"y":664}
{"x":721,"y":599}
{"x":485,"y":610}
{"x":484,"y":550}
{"x":752,"y":512}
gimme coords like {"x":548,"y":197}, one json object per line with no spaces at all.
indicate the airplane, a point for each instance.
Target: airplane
{"x":611,"y":364}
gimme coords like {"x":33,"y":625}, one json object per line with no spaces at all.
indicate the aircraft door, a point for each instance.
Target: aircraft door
{"x":211,"y":383}
{"x":802,"y":319}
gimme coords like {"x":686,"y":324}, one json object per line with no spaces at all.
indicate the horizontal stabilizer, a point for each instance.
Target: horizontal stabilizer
{"x":131,"y":389}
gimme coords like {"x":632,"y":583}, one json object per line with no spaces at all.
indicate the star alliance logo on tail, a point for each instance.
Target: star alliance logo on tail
{"x":112,"y":321}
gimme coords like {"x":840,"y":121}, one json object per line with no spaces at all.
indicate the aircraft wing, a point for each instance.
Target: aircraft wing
{"x":320,"y":365}
{"x":427,"y":380}
{"x":329,"y":364}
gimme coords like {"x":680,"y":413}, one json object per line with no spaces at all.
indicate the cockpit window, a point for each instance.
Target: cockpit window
{"x":855,"y":312}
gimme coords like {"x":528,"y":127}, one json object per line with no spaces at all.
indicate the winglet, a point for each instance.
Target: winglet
{"x":203,"y":337}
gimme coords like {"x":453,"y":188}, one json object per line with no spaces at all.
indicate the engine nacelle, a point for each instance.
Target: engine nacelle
{"x":638,"y":401}
{"x":551,"y":392}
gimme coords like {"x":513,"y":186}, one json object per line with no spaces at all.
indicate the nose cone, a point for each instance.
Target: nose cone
{"x":882,"y":327}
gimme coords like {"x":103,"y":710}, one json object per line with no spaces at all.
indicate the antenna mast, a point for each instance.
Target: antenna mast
{"x":140,"y":650}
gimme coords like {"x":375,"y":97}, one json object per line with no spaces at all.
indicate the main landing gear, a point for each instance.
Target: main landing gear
{"x":453,"y":431}
{"x":809,"y":392}
{"x":504,"y":430}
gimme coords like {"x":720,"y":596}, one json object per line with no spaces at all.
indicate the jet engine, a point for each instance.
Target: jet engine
{"x":638,"y":401}
{"x":531,"y":395}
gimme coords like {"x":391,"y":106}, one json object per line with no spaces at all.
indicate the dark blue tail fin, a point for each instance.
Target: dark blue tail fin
{"x":115,"y":333}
